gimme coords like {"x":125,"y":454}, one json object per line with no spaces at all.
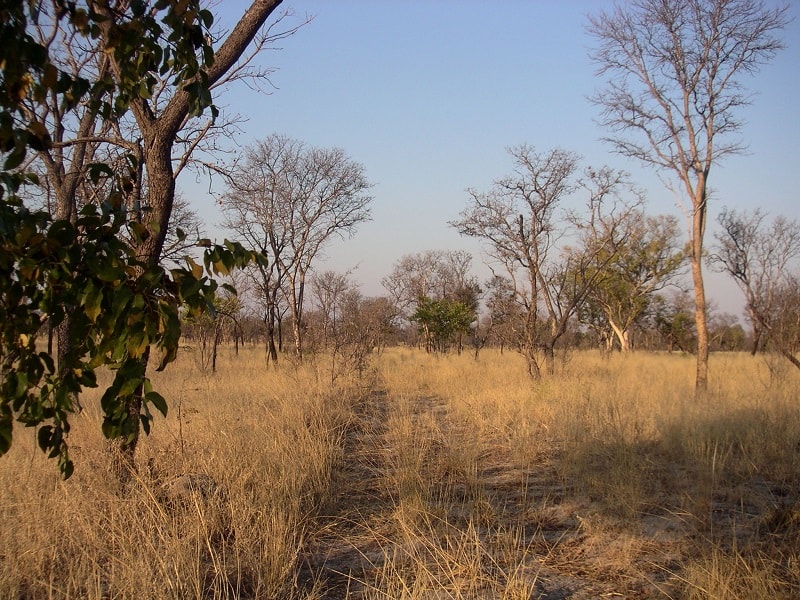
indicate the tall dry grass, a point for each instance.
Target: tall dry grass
{"x":428,"y":477}
{"x":227,"y":490}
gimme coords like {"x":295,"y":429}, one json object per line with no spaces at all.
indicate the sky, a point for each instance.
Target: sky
{"x":428,"y":95}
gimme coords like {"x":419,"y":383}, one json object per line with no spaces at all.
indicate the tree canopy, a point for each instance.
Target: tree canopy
{"x":79,"y":265}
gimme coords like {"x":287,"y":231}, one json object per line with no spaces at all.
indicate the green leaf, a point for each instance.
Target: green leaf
{"x":110,"y":273}
{"x":28,"y":268}
{"x":92,"y":302}
{"x":145,"y":420}
{"x":65,"y":465}
{"x":21,"y":383}
{"x":207,"y":18}
{"x":5,"y":434}
{"x":129,"y":386}
{"x":137,"y":343}
{"x":44,"y":437}
{"x":144,"y":91}
{"x":189,"y":288}
{"x":110,"y":430}
{"x":168,"y":354}
{"x":15,"y":158}
{"x":122,"y":297}
{"x":158,"y":401}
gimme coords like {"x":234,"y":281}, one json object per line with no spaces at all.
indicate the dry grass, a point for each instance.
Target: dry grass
{"x":434,"y":477}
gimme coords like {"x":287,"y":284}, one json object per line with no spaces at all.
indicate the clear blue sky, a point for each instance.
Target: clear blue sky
{"x":428,"y":94}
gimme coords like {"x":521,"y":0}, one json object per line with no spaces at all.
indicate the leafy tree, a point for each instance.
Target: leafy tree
{"x":673,"y":318}
{"x":119,"y":299}
{"x":726,"y":333}
{"x":674,"y":86}
{"x":442,"y":321}
{"x":646,"y":257}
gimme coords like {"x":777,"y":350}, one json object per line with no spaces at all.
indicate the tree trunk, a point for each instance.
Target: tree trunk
{"x":623,"y":336}
{"x":609,"y":342}
{"x":297,"y":295}
{"x":298,"y":339}
{"x":279,"y":331}
{"x":123,"y":449}
{"x":269,"y":322}
{"x":550,"y":358}
{"x":161,"y":193}
{"x":700,"y":312}
{"x":791,"y":357}
{"x":159,"y":132}
{"x":625,"y":341}
{"x":757,"y":333}
{"x":531,"y":364}
{"x":215,"y":346}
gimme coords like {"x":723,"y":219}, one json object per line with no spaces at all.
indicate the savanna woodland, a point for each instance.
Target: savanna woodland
{"x":582,"y":424}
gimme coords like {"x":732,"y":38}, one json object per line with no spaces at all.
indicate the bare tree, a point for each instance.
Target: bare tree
{"x":517,"y":218}
{"x":414,"y":276}
{"x":288,"y":200}
{"x":364,"y":327}
{"x":505,"y":315}
{"x":328,"y":288}
{"x":208,"y":330}
{"x":784,"y":330}
{"x":759,"y":258}
{"x":673,"y":89}
{"x":349,"y":326}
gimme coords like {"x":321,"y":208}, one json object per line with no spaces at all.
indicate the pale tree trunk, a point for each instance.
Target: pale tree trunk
{"x":623,"y":336}
{"x":298,"y":340}
{"x":700,"y":312}
{"x":625,"y":341}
